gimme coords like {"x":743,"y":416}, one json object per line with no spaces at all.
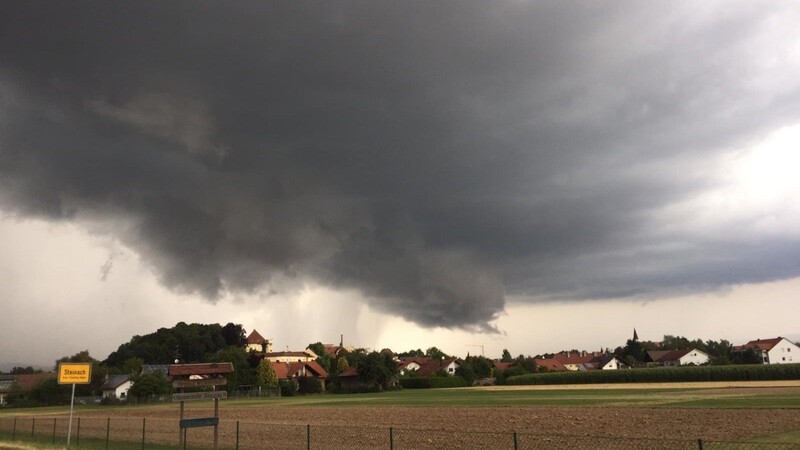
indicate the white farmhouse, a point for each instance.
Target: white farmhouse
{"x":777,"y":350}
{"x":117,"y":386}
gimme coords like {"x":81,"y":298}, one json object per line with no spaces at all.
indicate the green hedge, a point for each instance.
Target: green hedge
{"x":432,"y":382}
{"x":665,"y":374}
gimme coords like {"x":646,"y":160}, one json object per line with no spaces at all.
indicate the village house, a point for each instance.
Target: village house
{"x":23,"y":383}
{"x":434,"y":366}
{"x":581,"y":361}
{"x":6,"y":385}
{"x":777,"y":350}
{"x":550,"y":365}
{"x":116,"y":386}
{"x":500,"y":366}
{"x":409,"y":364}
{"x":257,"y":343}
{"x":290,"y":356}
{"x":675,"y":358}
{"x":305,"y":369}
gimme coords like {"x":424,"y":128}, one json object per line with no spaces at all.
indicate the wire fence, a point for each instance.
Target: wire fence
{"x":127,"y":433}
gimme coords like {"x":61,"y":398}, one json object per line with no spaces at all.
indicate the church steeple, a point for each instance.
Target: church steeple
{"x":635,"y":336}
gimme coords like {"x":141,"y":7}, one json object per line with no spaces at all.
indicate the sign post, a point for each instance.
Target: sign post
{"x":73,"y":373}
{"x":202,"y":376}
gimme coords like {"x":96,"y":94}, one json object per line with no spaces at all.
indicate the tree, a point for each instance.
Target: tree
{"x":675,"y":343}
{"x":465,"y":371}
{"x":633,"y":353}
{"x":355,"y":357}
{"x":151,"y":384}
{"x":99,"y":373}
{"x":501,"y":377}
{"x":506,"y":356}
{"x":418,"y":353}
{"x":746,"y":356}
{"x":317,"y":347}
{"x":341,"y":365}
{"x":308,"y":385}
{"x":243,"y":372}
{"x":234,"y":335}
{"x":480,"y":366}
{"x":378,"y":370}
{"x":190,"y":343}
{"x":50,"y":393}
{"x":132,"y":366}
{"x":24,"y":370}
{"x":435,"y":353}
{"x":525,"y":362}
{"x":267,"y":377}
{"x":720,"y":350}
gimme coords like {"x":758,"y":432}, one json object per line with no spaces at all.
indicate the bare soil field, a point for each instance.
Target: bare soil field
{"x":356,"y":427}
{"x":712,"y":424}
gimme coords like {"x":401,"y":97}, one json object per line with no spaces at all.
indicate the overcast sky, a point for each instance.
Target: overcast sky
{"x":533,"y":175}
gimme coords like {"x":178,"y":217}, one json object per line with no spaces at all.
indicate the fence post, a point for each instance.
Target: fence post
{"x":78,"y":436}
{"x":108,"y":431}
{"x":14,"y":431}
{"x":700,"y":444}
{"x":516,"y":441}
{"x":308,"y":437}
{"x":54,"y":430}
{"x":33,"y":426}
{"x":237,"y":435}
{"x":391,"y":438}
{"x":143,"y":430}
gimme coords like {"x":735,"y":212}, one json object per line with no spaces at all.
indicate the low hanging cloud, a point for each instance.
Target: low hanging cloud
{"x":436,"y":157}
{"x":182,"y":122}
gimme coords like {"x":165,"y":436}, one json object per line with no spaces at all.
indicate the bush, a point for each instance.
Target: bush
{"x":432,"y":382}
{"x":112,"y":401}
{"x":665,"y":374}
{"x":288,"y":388}
{"x":308,"y":385}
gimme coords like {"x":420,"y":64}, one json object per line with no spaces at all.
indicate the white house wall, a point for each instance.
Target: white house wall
{"x":784,"y":352}
{"x":612,"y":365}
{"x":695,"y":357}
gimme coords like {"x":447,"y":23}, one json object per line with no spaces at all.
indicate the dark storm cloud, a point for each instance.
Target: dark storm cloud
{"x":435,"y":156}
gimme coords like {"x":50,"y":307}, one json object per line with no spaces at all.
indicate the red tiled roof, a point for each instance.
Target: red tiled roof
{"x":331,"y":349}
{"x":432,"y":366}
{"x":673,"y":355}
{"x":574,"y":358}
{"x":255,"y":338}
{"x":28,"y":381}
{"x":286,"y":370}
{"x":316,"y":369}
{"x":421,"y":360}
{"x":281,"y":370}
{"x":200,"y":369}
{"x":760,"y":344}
{"x":298,"y":354}
{"x":551,"y":364}
{"x":502,"y":366}
{"x":349,"y":372}
{"x":656,"y":355}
